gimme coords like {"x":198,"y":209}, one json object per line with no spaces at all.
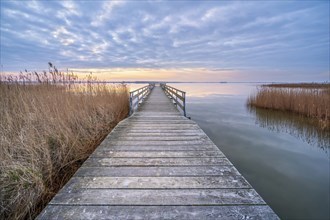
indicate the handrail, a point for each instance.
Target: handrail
{"x":138,"y":95}
{"x":178,"y":96}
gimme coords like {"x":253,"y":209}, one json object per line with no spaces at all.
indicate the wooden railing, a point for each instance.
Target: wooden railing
{"x":178,"y":96}
{"x":137,"y":96}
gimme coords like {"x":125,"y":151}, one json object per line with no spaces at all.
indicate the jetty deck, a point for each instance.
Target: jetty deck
{"x":157,"y":164}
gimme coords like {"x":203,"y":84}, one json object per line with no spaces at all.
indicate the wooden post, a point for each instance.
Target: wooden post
{"x":130,"y":104}
{"x":184,"y":104}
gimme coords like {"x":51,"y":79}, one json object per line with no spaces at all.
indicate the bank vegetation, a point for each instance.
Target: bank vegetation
{"x":48,"y":127}
{"x":306,"y":99}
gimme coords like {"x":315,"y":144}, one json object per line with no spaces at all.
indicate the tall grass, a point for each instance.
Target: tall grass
{"x":46,"y":132}
{"x":299,"y":85}
{"x":305,"y":100}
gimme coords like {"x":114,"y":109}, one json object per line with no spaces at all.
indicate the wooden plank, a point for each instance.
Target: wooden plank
{"x":160,"y":142}
{"x":157,"y":134}
{"x":159,"y":138}
{"x":157,"y":114}
{"x":118,"y":142}
{"x":170,"y":123}
{"x":195,"y":147}
{"x":97,"y":162}
{"x":173,"y":154}
{"x":158,"y":212}
{"x":157,"y":126}
{"x":158,"y":117}
{"x":158,"y":197}
{"x":159,"y":121}
{"x":158,"y":171}
{"x":158,"y":129}
{"x":201,"y":182}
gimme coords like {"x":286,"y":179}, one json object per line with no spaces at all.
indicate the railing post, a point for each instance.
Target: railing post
{"x":184,"y":104}
{"x":138,"y":97}
{"x":130,"y":104}
{"x":176,"y":96}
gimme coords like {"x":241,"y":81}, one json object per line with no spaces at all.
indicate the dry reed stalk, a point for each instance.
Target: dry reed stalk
{"x":46,"y":132}
{"x":307,"y":101}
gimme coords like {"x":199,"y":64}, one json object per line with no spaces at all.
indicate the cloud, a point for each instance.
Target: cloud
{"x":105,"y":13}
{"x":68,"y":10}
{"x":71,"y":7}
{"x":64,"y":36}
{"x":272,"y":20}
{"x":35,"y":6}
{"x":100,"y":47}
{"x":167,"y":35}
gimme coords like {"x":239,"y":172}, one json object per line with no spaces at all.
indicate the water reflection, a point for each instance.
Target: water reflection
{"x":208,"y":89}
{"x":134,"y":86}
{"x":305,"y":129}
{"x":291,"y":175}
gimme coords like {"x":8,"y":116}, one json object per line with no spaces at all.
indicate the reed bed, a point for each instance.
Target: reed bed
{"x":299,"y":85}
{"x":308,"y":100}
{"x":46,"y":132}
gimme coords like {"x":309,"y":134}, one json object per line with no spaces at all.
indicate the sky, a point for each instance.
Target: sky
{"x":272,"y":41}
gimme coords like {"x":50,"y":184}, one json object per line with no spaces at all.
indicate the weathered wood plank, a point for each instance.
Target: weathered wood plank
{"x":157,"y":114}
{"x":158,"y":130}
{"x":161,"y":142}
{"x":99,"y":162}
{"x":159,"y":117}
{"x":159,"y":138}
{"x":256,"y":212}
{"x":133,"y":154}
{"x":160,"y":127}
{"x":195,"y":147}
{"x":155,"y":121}
{"x":158,"y":197}
{"x":209,"y":182}
{"x":138,"y":133}
{"x":184,"y":124}
{"x":158,"y":171}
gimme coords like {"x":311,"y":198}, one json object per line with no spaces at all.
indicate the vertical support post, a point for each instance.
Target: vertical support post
{"x":184,"y":103}
{"x":138,"y":97}
{"x":130,"y":104}
{"x":176,"y":96}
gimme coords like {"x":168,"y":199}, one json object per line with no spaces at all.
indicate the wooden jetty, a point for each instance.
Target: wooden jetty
{"x":157,"y":164}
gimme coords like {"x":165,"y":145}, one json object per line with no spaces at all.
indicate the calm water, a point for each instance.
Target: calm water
{"x":283,"y":156}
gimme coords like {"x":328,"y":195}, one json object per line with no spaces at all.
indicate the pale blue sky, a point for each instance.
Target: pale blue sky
{"x":212,"y":40}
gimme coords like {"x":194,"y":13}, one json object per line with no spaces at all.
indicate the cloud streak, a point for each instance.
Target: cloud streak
{"x":255,"y":38}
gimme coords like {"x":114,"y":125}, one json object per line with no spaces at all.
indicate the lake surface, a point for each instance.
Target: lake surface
{"x":283,"y":156}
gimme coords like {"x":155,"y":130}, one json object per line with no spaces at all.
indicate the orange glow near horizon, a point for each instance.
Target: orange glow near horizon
{"x":209,"y":89}
{"x":149,"y":74}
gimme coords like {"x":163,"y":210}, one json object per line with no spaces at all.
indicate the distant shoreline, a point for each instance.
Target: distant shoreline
{"x":271,"y":84}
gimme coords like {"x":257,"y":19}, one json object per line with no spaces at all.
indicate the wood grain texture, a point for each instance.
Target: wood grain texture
{"x":256,"y":212}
